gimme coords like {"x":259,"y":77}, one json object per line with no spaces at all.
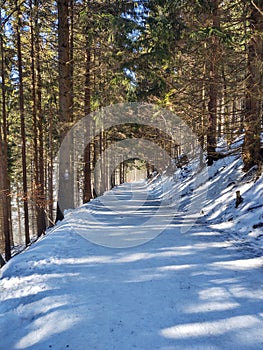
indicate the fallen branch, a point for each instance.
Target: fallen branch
{"x":260,"y":224}
{"x":255,"y":207}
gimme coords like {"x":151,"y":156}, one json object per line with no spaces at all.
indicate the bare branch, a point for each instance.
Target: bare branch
{"x":259,"y":10}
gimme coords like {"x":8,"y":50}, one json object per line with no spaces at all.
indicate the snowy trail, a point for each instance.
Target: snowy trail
{"x":184,"y":289}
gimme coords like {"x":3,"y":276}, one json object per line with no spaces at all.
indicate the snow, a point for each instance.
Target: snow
{"x":165,"y":265}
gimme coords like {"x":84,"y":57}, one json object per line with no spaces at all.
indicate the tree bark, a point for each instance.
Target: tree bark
{"x":87,"y":192}
{"x":66,"y":176}
{"x":2,"y":262}
{"x":37,"y":121}
{"x":65,"y":106}
{"x":41,"y":222}
{"x":4,"y":176}
{"x":213,"y":88}
{"x":22,"y":126}
{"x":253,"y":109}
{"x":50,"y":169}
{"x":4,"y":199}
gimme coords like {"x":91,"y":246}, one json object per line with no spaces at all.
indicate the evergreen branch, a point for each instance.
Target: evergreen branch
{"x":10,"y":15}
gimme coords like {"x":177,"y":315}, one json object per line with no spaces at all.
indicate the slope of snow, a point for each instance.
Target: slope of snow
{"x":177,"y":267}
{"x":243,"y":224}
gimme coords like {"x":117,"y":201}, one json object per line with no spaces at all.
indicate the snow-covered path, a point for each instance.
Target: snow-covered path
{"x":184,"y":289}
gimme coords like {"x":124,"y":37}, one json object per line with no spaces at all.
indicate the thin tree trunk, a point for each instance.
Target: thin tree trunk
{"x":233,"y":119}
{"x":22,"y":127}
{"x":71,"y":53}
{"x":34,"y":102}
{"x":201,"y":122}
{"x":19,"y":224}
{"x":50,"y":170}
{"x":4,"y":199}
{"x":226,"y":115}
{"x":213,"y":89}
{"x":37,"y":124}
{"x":4,"y":177}
{"x":87,"y":193}
{"x":41,"y":222}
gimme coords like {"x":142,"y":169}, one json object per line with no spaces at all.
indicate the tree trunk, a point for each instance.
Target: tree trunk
{"x":19,"y":220}
{"x":37,"y":121}
{"x":213,"y":88}
{"x":66,"y":178}
{"x":22,"y":126}
{"x":41,"y":222}
{"x":87,"y":194}
{"x":50,"y":169}
{"x":253,"y":110}
{"x":4,"y":199}
{"x":65,"y":106}
{"x":2,"y":262}
{"x":34,"y":108}
{"x":71,"y":54}
{"x":4,"y":176}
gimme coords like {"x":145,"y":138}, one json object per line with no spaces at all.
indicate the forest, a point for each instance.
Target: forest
{"x":63,"y":60}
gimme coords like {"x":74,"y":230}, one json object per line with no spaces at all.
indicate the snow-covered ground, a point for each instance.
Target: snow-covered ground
{"x":165,"y":265}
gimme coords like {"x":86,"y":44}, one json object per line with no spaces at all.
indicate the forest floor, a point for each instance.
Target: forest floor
{"x":148,"y":266}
